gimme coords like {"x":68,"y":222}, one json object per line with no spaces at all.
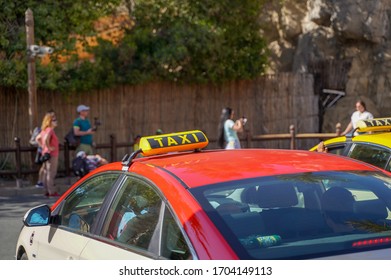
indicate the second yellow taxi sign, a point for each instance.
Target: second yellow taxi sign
{"x":173,"y":142}
{"x":374,"y":124}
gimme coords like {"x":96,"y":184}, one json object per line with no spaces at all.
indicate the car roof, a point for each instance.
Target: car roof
{"x":376,"y":138}
{"x":210,"y":167}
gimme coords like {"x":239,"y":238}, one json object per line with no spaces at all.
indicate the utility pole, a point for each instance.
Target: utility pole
{"x":32,"y":90}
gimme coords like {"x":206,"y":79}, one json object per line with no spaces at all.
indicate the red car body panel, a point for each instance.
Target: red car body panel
{"x":198,"y":169}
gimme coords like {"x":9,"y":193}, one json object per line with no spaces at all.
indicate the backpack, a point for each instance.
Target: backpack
{"x":33,"y":139}
{"x":72,"y":139}
{"x":80,"y":166}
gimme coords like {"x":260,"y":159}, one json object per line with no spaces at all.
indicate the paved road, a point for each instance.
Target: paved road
{"x":14,"y":202}
{"x":12,"y":210}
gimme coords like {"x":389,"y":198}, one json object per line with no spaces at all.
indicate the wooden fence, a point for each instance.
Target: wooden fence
{"x":21,"y":170}
{"x":270,"y":103}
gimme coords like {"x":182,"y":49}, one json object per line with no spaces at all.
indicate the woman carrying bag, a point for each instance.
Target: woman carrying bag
{"x":48,"y":140}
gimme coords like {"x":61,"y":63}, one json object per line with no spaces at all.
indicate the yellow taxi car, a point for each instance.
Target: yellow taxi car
{"x":370,"y":143}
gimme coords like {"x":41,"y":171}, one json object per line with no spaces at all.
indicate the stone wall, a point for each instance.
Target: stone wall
{"x":357,"y":30}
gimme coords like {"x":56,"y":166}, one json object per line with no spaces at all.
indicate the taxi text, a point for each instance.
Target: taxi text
{"x":176,"y":140}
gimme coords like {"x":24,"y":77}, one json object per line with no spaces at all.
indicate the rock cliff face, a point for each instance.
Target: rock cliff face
{"x":306,"y":36}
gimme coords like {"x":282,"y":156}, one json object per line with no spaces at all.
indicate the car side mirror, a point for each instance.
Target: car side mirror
{"x":37,"y":216}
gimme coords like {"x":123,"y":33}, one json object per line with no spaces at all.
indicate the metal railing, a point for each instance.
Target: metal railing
{"x":292,"y":136}
{"x":66,"y":149}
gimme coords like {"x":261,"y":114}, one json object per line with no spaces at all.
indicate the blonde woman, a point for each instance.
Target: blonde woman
{"x":39,"y":184}
{"x":48,"y":140}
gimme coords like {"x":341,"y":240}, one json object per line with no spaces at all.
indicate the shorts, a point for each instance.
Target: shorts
{"x":86,"y":148}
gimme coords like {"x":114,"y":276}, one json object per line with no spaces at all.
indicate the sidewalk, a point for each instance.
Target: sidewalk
{"x":9,"y":187}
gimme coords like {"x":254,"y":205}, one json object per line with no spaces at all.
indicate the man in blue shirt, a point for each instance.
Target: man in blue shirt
{"x":82,"y":127}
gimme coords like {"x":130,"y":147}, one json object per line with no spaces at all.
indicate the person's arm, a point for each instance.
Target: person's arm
{"x":238,"y":126}
{"x":100,"y":160}
{"x":78,"y":132}
{"x":48,"y":136}
{"x":348,"y":128}
{"x":39,"y":140}
{"x":321,"y":148}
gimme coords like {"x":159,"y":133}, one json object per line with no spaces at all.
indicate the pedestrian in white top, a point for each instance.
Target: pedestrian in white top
{"x":361,"y":113}
{"x":228,"y":128}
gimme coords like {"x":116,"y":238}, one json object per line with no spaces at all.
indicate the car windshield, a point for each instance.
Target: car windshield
{"x":301,"y":216}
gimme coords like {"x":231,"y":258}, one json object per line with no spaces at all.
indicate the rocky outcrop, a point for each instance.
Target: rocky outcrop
{"x":359,"y":31}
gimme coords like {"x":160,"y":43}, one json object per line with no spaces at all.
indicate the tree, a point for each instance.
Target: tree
{"x":188,"y":41}
{"x":56,"y":24}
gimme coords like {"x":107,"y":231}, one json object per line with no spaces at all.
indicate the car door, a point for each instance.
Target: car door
{"x":135,"y":224}
{"x":66,"y":237}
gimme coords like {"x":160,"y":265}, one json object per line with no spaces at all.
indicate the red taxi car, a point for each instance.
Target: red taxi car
{"x":181,"y":202}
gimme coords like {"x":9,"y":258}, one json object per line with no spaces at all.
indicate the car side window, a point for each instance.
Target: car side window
{"x":374,"y":155}
{"x":136,"y":219}
{"x":173,"y":245}
{"x":337,"y":150}
{"x":83,"y":204}
{"x":134,"y":215}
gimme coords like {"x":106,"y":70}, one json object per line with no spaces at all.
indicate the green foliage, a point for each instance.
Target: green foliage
{"x":187,"y":41}
{"x":54,"y":23}
{"x":191,"y":41}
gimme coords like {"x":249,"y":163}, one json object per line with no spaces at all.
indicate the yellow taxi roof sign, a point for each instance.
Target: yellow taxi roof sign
{"x":173,"y":142}
{"x":378,"y":124}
